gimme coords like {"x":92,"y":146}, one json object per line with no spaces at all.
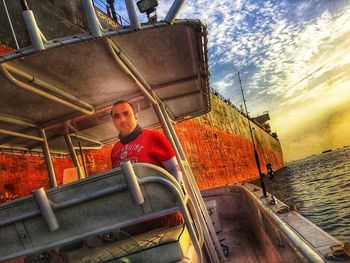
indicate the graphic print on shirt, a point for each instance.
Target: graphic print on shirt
{"x":149,"y":147}
{"x":129,"y":152}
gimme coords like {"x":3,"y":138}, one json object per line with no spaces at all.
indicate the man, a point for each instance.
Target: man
{"x":140,"y":145}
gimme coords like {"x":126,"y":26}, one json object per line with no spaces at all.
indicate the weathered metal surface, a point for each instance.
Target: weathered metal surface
{"x":87,"y":70}
{"x":83,"y":208}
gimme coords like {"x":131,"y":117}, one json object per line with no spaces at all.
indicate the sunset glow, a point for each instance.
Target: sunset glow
{"x":294,"y":60}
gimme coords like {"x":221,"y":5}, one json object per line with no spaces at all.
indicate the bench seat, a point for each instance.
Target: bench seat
{"x":158,"y":245}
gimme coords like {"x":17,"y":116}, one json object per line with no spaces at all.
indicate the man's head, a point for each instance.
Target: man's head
{"x":124,"y":117}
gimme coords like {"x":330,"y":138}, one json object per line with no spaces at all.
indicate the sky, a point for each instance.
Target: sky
{"x":294,"y":61}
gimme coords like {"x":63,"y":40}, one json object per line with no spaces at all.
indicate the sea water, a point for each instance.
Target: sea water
{"x":319,"y":186}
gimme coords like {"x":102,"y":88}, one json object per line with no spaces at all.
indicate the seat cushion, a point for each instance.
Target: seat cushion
{"x":159,"y":245}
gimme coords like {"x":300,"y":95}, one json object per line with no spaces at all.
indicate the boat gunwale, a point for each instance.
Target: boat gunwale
{"x":295,"y":238}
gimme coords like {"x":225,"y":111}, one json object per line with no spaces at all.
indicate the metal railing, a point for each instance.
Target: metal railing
{"x":109,"y":7}
{"x":229,"y":103}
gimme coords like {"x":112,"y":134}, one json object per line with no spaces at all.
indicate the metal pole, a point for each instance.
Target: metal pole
{"x":67,"y":100}
{"x":174,"y":10}
{"x":131,"y":8}
{"x":93,"y":22}
{"x":20,"y":135}
{"x":211,"y":240}
{"x":173,"y":133}
{"x":47,"y":157}
{"x":45,"y":209}
{"x":130,"y":70}
{"x":167,"y":132}
{"x":85,"y":138}
{"x":251,"y":135}
{"x":82,"y":159}
{"x":16,"y":121}
{"x":10,"y":22}
{"x":32,"y":27}
{"x":73,"y":155}
{"x":132,"y":183}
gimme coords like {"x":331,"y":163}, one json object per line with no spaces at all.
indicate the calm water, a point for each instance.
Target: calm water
{"x":320,"y":188}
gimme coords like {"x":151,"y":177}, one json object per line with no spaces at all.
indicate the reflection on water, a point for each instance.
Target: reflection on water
{"x":320,"y":188}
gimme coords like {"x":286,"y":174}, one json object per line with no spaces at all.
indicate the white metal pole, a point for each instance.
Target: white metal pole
{"x":94,"y":24}
{"x":10,"y":22}
{"x":134,"y":20}
{"x":174,"y":10}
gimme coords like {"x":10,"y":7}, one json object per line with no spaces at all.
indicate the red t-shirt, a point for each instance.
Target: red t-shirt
{"x":149,"y":147}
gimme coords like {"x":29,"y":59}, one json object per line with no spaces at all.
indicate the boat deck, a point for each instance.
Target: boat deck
{"x":244,"y":242}
{"x":256,"y":230}
{"x":243,"y":247}
{"x":249,"y":233}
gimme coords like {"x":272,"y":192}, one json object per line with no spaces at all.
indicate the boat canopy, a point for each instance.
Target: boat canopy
{"x":70,"y":87}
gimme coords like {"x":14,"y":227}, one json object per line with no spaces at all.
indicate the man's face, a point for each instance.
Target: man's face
{"x":124,"y":118}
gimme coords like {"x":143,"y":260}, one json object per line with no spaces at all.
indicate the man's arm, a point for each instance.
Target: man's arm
{"x":164,"y":153}
{"x":172,"y":167}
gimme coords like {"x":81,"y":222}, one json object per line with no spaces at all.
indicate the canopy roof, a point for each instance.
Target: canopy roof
{"x":81,"y":79}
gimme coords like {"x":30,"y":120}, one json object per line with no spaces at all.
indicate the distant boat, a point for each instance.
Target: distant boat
{"x":327,"y":151}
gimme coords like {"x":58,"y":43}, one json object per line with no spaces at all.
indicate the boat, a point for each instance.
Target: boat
{"x":55,"y":101}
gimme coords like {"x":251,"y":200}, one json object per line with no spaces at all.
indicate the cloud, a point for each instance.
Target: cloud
{"x":221,"y":85}
{"x":294,"y":59}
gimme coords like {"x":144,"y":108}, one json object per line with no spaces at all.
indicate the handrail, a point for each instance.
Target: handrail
{"x":73,"y":155}
{"x":17,"y":121}
{"x":291,"y":234}
{"x":21,"y":135}
{"x":23,"y":150}
{"x":88,"y":139}
{"x":168,"y":182}
{"x":6,"y":69}
{"x":130,"y":70}
{"x":184,"y":210}
{"x":209,"y":233}
{"x":47,"y":157}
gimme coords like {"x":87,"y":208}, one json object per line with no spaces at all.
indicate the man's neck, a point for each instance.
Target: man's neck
{"x":131,"y":136}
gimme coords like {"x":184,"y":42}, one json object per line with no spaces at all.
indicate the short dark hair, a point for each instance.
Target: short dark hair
{"x":124,"y":101}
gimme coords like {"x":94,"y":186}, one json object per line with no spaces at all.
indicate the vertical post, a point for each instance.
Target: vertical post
{"x":131,"y":8}
{"x":45,"y":209}
{"x":32,"y":27}
{"x":174,"y":10}
{"x":252,"y":137}
{"x":211,"y":240}
{"x":73,"y":155}
{"x":10,"y":22}
{"x":82,"y":159}
{"x":94,"y":25}
{"x":132,"y":183}
{"x":167,"y":132}
{"x":173,"y":133}
{"x":48,"y":161}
